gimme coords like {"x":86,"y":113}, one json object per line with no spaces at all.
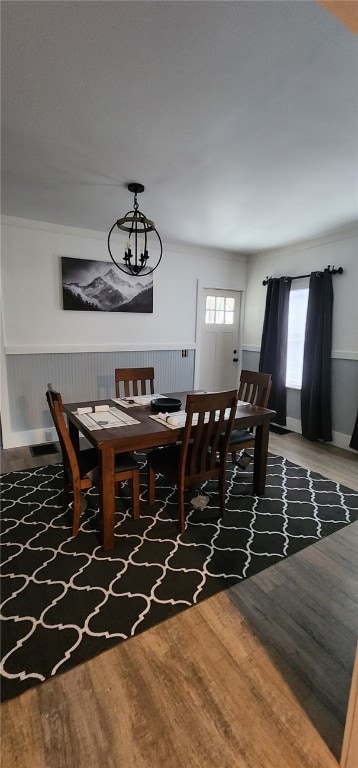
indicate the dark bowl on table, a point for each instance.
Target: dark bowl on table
{"x":166,"y":405}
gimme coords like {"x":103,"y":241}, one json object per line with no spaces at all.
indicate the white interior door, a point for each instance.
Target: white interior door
{"x":219,"y":340}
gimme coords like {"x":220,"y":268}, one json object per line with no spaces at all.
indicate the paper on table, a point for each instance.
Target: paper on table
{"x":91,"y":408}
{"x":172,"y":421}
{"x":177,"y":420}
{"x":144,"y":399}
{"x":133,"y":402}
{"x":123,"y":403}
{"x":107,"y":420}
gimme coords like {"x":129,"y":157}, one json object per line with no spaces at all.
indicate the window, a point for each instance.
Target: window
{"x":297,"y":312}
{"x":219,"y":310}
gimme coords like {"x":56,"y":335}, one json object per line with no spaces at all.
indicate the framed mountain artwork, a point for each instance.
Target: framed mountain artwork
{"x":97,"y":286}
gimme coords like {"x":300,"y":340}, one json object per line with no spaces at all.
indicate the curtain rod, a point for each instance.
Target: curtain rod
{"x":332,"y":270}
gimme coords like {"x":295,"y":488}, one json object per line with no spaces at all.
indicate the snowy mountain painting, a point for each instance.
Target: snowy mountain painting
{"x":97,"y":286}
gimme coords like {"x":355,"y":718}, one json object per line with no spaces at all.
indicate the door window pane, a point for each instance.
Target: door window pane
{"x":220,"y":310}
{"x":210,"y":316}
{"x":220,"y":315}
{"x":220,"y":302}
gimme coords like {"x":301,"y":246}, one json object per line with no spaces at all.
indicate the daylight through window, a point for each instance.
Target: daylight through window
{"x":296,"y":336}
{"x":219,"y":310}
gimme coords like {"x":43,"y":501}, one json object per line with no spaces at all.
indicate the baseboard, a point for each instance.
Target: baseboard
{"x":30,"y":437}
{"x":48,"y":435}
{"x":38,"y":437}
{"x":340,"y":440}
{"x":294,"y":425}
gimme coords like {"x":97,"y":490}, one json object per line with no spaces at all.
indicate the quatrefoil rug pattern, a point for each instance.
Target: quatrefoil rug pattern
{"x":65,"y":600}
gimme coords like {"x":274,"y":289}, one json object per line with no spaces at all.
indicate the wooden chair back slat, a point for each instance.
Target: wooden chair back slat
{"x":132,"y":382}
{"x":72,"y":475}
{"x":203,"y":449}
{"x":69,"y":457}
{"x":255,"y":388}
{"x":206,"y":434}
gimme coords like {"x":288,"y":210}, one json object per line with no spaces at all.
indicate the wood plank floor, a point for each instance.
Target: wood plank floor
{"x":256,"y":677}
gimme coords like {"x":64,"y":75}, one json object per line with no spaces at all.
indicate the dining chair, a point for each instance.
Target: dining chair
{"x":80,"y":472}
{"x":254,"y":388}
{"x":201,"y":455}
{"x":134,"y":381}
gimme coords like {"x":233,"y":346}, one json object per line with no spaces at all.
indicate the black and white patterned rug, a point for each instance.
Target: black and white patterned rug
{"x":64,"y":600}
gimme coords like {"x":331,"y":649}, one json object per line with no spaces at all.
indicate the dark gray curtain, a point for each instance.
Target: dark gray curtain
{"x":354,"y":439}
{"x":273,"y":355}
{"x":316,"y":376}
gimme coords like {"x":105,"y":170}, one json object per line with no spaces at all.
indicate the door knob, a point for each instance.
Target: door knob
{"x":235,"y":360}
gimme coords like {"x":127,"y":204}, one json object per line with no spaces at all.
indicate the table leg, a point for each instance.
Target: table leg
{"x":260,"y":457}
{"x":107,"y":496}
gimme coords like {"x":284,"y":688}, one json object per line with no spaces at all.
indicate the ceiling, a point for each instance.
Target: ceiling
{"x":240,"y":118}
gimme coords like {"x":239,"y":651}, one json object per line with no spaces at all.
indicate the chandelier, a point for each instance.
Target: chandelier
{"x":136,"y":255}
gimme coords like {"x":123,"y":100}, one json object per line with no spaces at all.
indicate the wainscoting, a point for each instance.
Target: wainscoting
{"x":80,"y":376}
{"x":344,"y":396}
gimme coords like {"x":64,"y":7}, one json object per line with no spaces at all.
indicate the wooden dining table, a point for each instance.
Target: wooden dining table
{"x":149,"y":433}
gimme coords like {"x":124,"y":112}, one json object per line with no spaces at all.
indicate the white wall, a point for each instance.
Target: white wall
{"x":34,"y":322}
{"x":339,"y":250}
{"x":32,"y":314}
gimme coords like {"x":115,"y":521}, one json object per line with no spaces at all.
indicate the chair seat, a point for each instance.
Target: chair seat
{"x":87,"y":461}
{"x":166,"y":460}
{"x":240,"y":436}
{"x":125,"y":462}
